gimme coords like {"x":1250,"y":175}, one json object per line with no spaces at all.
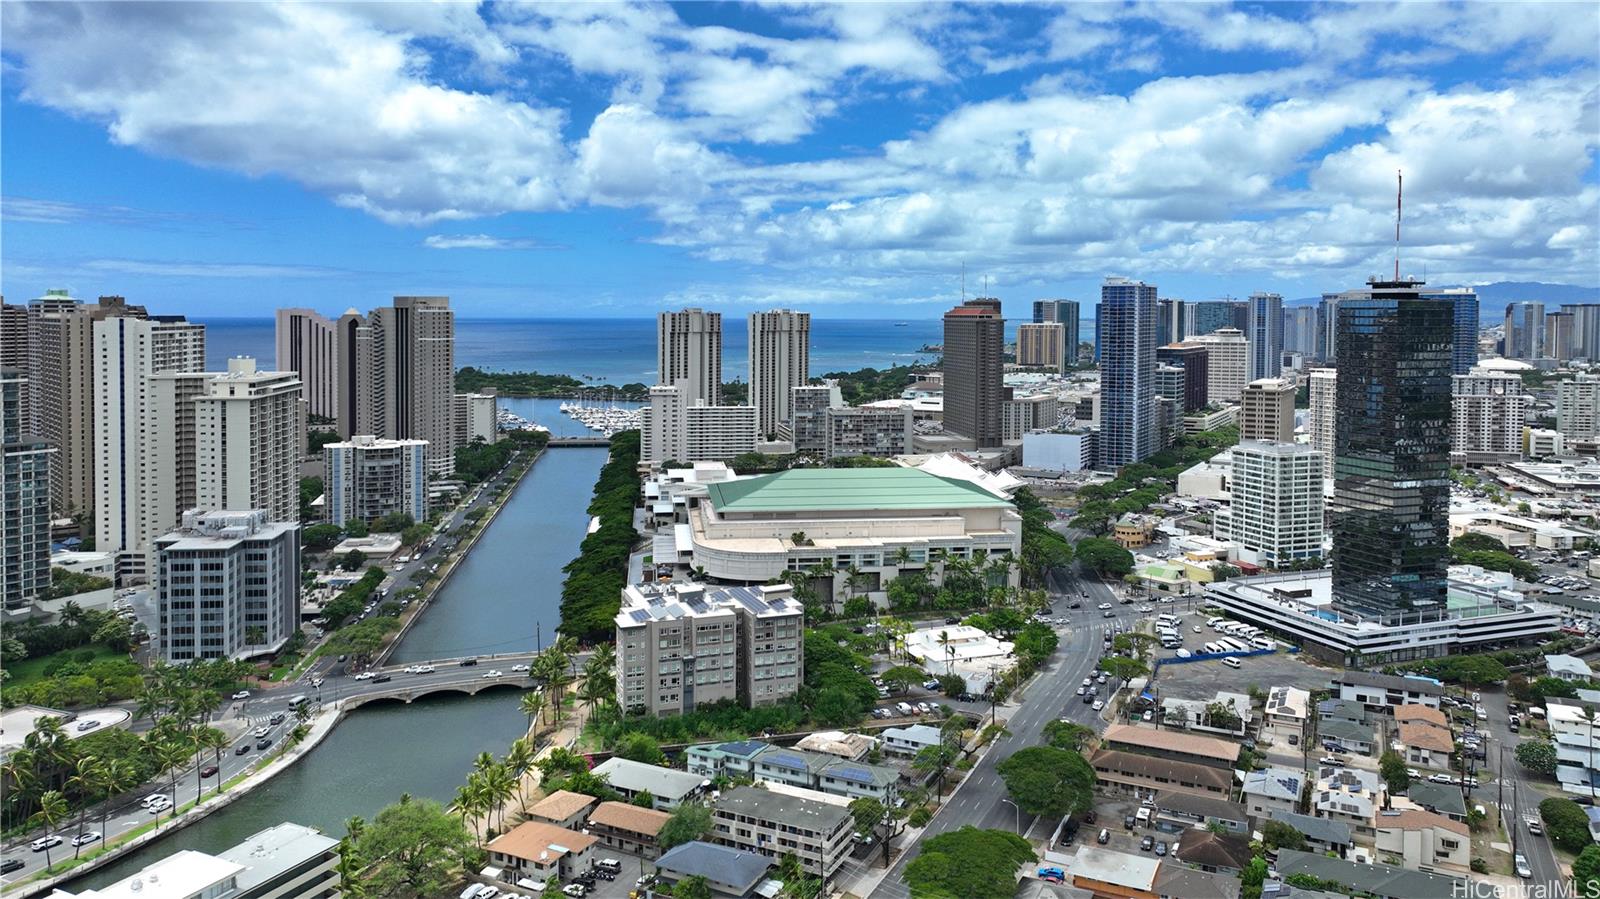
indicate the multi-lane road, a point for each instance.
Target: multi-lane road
{"x":981,"y":800}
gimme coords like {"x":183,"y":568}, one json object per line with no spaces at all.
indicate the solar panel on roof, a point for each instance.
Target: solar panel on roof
{"x":639,"y":615}
{"x":851,"y":773}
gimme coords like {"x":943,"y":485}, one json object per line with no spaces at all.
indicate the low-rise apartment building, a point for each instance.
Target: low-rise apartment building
{"x":683,"y":645}
{"x":628,"y":828}
{"x":1148,"y":776}
{"x":1173,"y":745}
{"x":819,"y":834}
{"x":667,"y":786}
{"x":1424,"y":841}
{"x":538,"y":851}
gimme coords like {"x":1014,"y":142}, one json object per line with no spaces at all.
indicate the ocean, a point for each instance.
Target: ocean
{"x":619,"y":351}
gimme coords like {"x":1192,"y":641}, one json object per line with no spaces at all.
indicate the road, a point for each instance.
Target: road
{"x":1521,"y":796}
{"x":981,"y":800}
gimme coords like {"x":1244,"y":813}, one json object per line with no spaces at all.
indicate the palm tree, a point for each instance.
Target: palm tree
{"x":949,"y":651}
{"x":605,"y":656}
{"x":119,"y":778}
{"x":171,"y":756}
{"x":597,"y":688}
{"x":21,"y":771}
{"x":71,"y":614}
{"x":532,"y":705}
{"x":566,"y":646}
{"x":216,"y":741}
{"x":86,"y":781}
{"x":901,"y":557}
{"x":499,"y":785}
{"x":519,"y":761}
{"x":469,"y":801}
{"x":52,"y":811}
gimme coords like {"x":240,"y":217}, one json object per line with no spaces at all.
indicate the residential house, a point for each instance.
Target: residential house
{"x":1380,"y":881}
{"x":1286,"y":714}
{"x":860,"y":780}
{"x":729,"y":872}
{"x":1347,"y":737}
{"x":789,"y":766}
{"x":1567,"y":667}
{"x":1146,"y":776}
{"x":774,"y":824}
{"x":1173,"y":745}
{"x":1223,"y":853}
{"x":1350,"y":795}
{"x":1346,"y":709}
{"x":1441,"y":798}
{"x":1381,"y":692}
{"x":541,"y":852}
{"x":1196,"y":714}
{"x":1271,"y":790}
{"x":563,"y":808}
{"x":628,"y":828}
{"x":668,"y":787}
{"x":1177,"y":811}
{"x":1424,"y":841}
{"x":1322,"y":834}
{"x":909,"y":740}
{"x":1179,"y":882}
{"x":733,"y":759}
{"x":1110,"y":874}
{"x":854,"y":747}
{"x":1421,"y":714}
{"x":1424,"y":744}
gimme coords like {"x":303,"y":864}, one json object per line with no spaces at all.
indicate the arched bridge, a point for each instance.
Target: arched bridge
{"x":406,"y":690}
{"x":596,"y":440}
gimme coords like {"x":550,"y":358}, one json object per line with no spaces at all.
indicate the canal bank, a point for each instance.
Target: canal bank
{"x":507,"y":591}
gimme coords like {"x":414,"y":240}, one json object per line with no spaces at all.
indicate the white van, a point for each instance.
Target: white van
{"x":1168,"y":620}
{"x":1263,"y":643}
{"x":1212,"y":647}
{"x":1232,"y":662}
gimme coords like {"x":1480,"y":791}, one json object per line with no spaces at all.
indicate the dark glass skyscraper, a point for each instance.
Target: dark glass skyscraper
{"x":1391,"y":535}
{"x":1264,"y":329}
{"x":1465,"y":300}
{"x":974,"y":370}
{"x":1170,"y":323}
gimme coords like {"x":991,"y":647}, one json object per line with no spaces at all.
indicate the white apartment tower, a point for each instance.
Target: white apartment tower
{"x":1578,"y":407}
{"x":228,"y":585}
{"x":676,"y":429}
{"x":477,"y":417}
{"x":780,"y":359}
{"x":413,"y":375}
{"x":1324,"y":387}
{"x":689,"y":349}
{"x":369,"y":477}
{"x":308,"y":345}
{"x":132,"y":475}
{"x":249,"y":426}
{"x":1227,"y":363}
{"x":1276,"y":513}
{"x":1488,"y":410}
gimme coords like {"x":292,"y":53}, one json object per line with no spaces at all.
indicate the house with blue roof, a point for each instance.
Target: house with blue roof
{"x":861,"y":780}
{"x":733,"y":759}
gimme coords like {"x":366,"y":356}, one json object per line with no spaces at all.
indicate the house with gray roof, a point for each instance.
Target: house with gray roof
{"x":909,"y":740}
{"x":729,"y":871}
{"x":1322,"y":834}
{"x":795,"y":767}
{"x":1345,"y":736}
{"x":1347,"y":709}
{"x":668,"y":786}
{"x":1272,"y":789}
{"x":735,"y":758}
{"x":1441,"y":798}
{"x":1179,"y":882}
{"x":1381,"y":881}
{"x":774,"y":824}
{"x":1381,"y":692}
{"x":1177,"y":811}
{"x":859,"y":780}
{"x":1565,"y":667}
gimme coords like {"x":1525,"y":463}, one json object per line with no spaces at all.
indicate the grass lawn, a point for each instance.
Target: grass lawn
{"x":30,"y":670}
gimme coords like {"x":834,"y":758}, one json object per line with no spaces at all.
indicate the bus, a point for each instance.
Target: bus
{"x":1263,"y":643}
{"x":1168,"y":620}
{"x":1235,"y":644}
{"x":297,"y":701}
{"x":1212,"y":647}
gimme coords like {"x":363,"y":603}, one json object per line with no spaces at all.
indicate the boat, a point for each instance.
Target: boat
{"x":901,"y":324}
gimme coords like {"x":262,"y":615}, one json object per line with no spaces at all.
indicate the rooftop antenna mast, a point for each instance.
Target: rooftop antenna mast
{"x":1399,"y":189}
{"x":963,"y":282}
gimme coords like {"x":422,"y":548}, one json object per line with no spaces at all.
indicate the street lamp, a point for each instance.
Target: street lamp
{"x":1019,"y":814}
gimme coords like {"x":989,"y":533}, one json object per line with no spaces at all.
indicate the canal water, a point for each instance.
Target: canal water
{"x":510,"y":583}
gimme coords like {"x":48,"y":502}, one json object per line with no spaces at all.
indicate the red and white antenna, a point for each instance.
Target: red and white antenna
{"x":1399,"y":186}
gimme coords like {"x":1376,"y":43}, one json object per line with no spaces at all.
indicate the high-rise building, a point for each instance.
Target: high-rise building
{"x":1227,"y":363}
{"x":1127,"y":372}
{"x":61,"y":371}
{"x":308,"y":345}
{"x":354,"y":383}
{"x":1300,"y":334}
{"x":1170,"y":315}
{"x":1276,"y":512}
{"x":1560,"y":329}
{"x":1392,"y":442}
{"x":1042,"y":346}
{"x":681,"y":646}
{"x":1266,"y":411}
{"x":249,"y":428}
{"x":1489,"y":410}
{"x":1328,"y":322}
{"x":1323,"y":414}
{"x":1019,"y":415}
{"x":14,"y":340}
{"x":136,"y":474}
{"x":1172,"y":382}
{"x":413,"y":374}
{"x":676,"y":429}
{"x":369,"y":477}
{"x":1065,"y":313}
{"x":974,"y":370}
{"x":1465,"y":302}
{"x":868,"y":431}
{"x":24,"y":500}
{"x":689,"y":349}
{"x":808,"y":424}
{"x":1196,"y":374}
{"x":1264,"y":331}
{"x":228,"y":585}
{"x":1524,"y":329}
{"x":1585,"y":330}
{"x":780,"y":358}
{"x":477,"y":417}
{"x":1578,"y":407}
{"x":1210,"y":316}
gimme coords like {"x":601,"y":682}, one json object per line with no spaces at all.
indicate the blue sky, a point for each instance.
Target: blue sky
{"x":612,"y":160}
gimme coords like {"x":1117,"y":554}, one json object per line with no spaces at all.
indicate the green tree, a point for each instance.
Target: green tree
{"x":1104,"y":557}
{"x":1566,"y":822}
{"x":1252,"y":877}
{"x":640,"y":747}
{"x":1047,"y":781}
{"x":1537,"y":756}
{"x":968,"y":864}
{"x":690,"y":821}
{"x":52,"y":811}
{"x":901,"y":678}
{"x":1067,"y":734}
{"x":415,"y":847}
{"x":1278,"y":835}
{"x":355,"y":527}
{"x":321,"y":537}
{"x":1393,"y":770}
{"x":1586,"y":873}
{"x":353,"y":559}
{"x":694,"y":886}
{"x":645,"y":799}
{"x":1124,"y":668}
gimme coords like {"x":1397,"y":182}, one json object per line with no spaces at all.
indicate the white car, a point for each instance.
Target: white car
{"x":85,"y":838}
{"x":262,"y":731}
{"x":493,"y":672}
{"x":242,"y":694}
{"x":426,"y":669}
{"x":1098,"y":705}
{"x":1103,"y":606}
{"x":519,"y":667}
{"x":1523,"y":871}
{"x":411,"y":669}
{"x":44,"y":843}
{"x":1197,"y":628}
{"x":365,"y":675}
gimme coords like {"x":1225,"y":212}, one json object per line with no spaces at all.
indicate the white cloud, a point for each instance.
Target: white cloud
{"x":484,"y":242}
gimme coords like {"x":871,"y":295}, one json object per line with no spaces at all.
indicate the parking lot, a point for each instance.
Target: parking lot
{"x":1202,"y":680}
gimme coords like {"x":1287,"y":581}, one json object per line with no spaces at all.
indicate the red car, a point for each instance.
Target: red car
{"x":208,"y":771}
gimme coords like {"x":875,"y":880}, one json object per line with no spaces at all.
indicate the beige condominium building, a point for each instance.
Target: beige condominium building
{"x":413,"y":375}
{"x":1042,"y":345}
{"x":248,"y":443}
{"x":1266,"y":410}
{"x":780,"y":360}
{"x":1227,"y":363}
{"x":307,"y":344}
{"x":680,"y":646}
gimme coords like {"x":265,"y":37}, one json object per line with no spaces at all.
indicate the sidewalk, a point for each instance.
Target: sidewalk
{"x":530,"y":790}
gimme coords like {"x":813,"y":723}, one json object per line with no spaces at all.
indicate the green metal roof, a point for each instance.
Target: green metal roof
{"x":832,"y":489}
